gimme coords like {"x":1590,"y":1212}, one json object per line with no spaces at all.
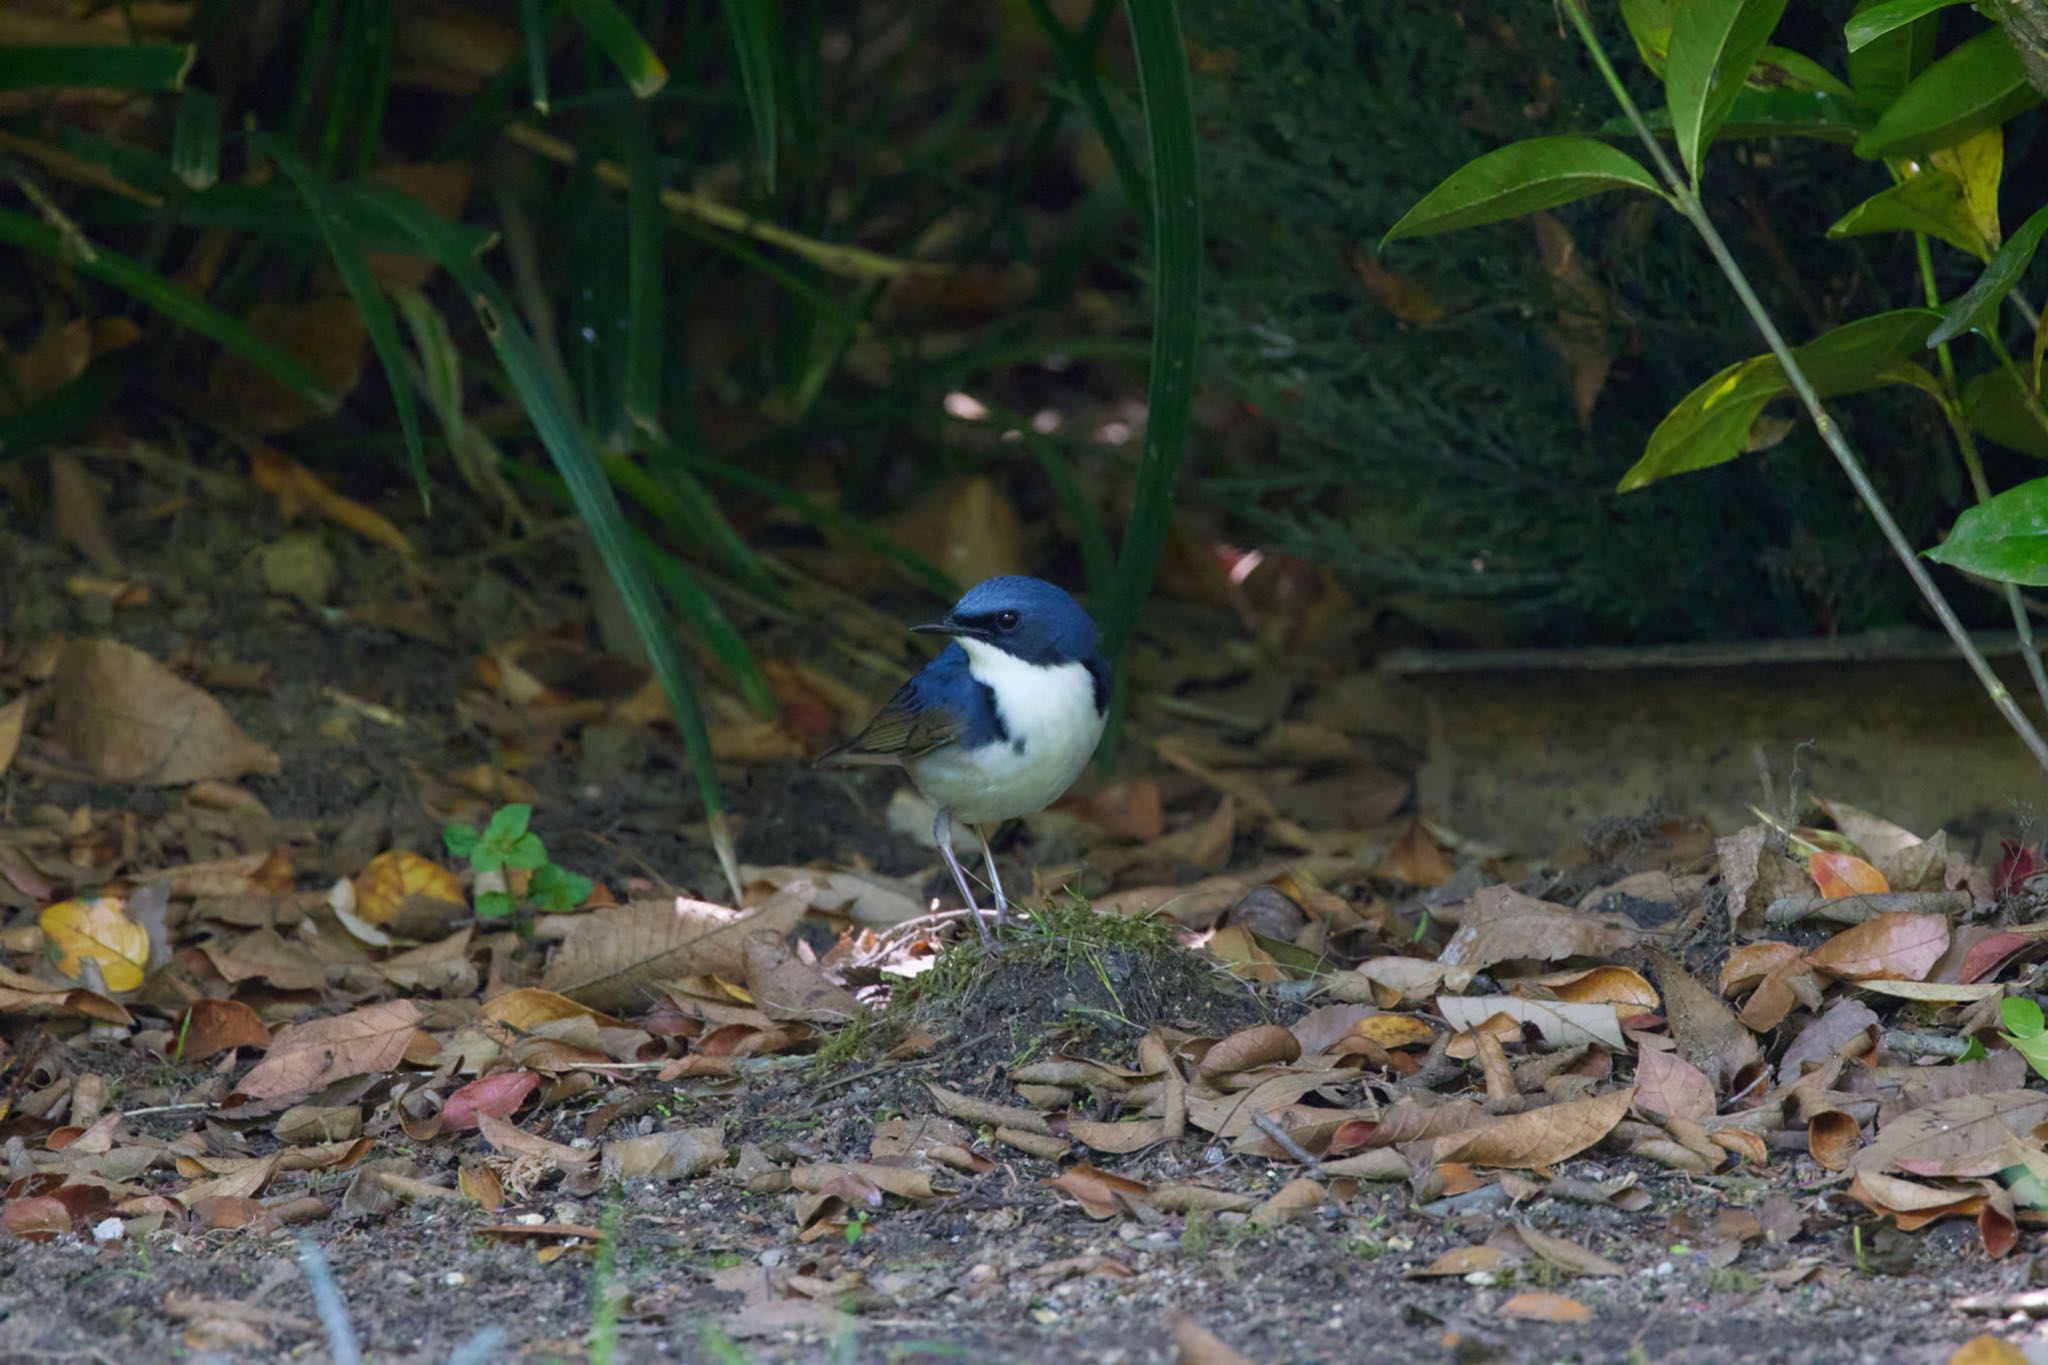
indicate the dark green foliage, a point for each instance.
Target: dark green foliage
{"x":1442,"y":461}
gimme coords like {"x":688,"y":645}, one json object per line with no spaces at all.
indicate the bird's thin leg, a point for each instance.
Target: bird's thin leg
{"x":995,"y":879}
{"x":942,"y":835}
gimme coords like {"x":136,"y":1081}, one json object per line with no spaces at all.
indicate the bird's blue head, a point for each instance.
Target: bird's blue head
{"x":1027,"y":617}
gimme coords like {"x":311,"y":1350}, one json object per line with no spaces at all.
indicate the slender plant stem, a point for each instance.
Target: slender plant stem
{"x":1686,"y":198}
{"x":1973,"y":464}
{"x":2012,"y":367}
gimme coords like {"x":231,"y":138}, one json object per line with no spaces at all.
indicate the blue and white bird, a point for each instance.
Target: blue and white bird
{"x":1001,"y":722}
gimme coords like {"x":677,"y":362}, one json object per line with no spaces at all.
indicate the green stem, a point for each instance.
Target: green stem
{"x":1831,"y":435}
{"x":2012,"y":367}
{"x":1973,"y":464}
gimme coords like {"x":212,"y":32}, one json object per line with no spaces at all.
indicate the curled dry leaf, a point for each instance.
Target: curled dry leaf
{"x":1567,"y":1256}
{"x":676,"y":1154}
{"x":1607,"y":984}
{"x":1100,"y":1194}
{"x":1541,"y":1137}
{"x":1537,"y":1306}
{"x":499,"y":1095}
{"x":1843,"y":874}
{"x":99,"y":933}
{"x":1898,"y":945}
{"x":1708,"y":1033}
{"x":303,"y":1057}
{"x":1293,"y":1200}
{"x":392,"y":878}
{"x":129,"y":719}
{"x":1259,"y":1045}
{"x":1194,"y":1344}
{"x":514,"y":1141}
{"x":1832,"y":1138}
{"x":617,"y":957}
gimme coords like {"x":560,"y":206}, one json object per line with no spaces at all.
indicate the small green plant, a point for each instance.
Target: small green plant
{"x":855,"y":1226}
{"x":1199,"y":1234}
{"x":506,"y":842}
{"x":2028,"y":1033}
{"x":1365,"y":1246}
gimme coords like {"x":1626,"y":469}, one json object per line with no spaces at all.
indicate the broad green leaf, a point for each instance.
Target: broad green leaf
{"x":1933,"y":202}
{"x":508,"y":824}
{"x":1780,"y":68}
{"x":1977,"y":162}
{"x":1979,"y":85}
{"x":1713,"y":45}
{"x":1522,"y":177}
{"x":460,"y":839}
{"x":2022,"y":1016}
{"x":1868,"y":25}
{"x":1978,"y":307}
{"x":1884,"y":66}
{"x":1816,"y":114}
{"x":1997,"y":409}
{"x":1649,"y":23}
{"x":2005,"y":539}
{"x":1711,"y":424}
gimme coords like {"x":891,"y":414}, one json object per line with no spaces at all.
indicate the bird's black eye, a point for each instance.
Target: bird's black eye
{"x":1007,"y":620}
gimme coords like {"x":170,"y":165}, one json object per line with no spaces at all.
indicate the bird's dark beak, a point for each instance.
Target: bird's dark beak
{"x":959,"y":630}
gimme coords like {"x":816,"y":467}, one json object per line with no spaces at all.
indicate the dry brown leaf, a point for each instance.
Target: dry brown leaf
{"x":1567,"y":1256}
{"x":788,"y":988}
{"x":617,"y":957}
{"x":1501,"y":924}
{"x":1669,"y":1085}
{"x":516,"y":1141}
{"x":1561,"y":1023}
{"x":1537,"y":1306}
{"x":1194,"y":1344}
{"x":1118,"y":1139}
{"x":128,"y":719}
{"x":1541,"y":1137}
{"x":25,"y":995}
{"x":1899,"y":945}
{"x":1708,"y":1033}
{"x":303,"y":1057}
{"x":1100,"y":1194}
{"x":1461,"y":1262}
{"x":12,"y":716}
{"x":1259,"y":1045}
{"x":1969,"y":1135}
{"x":1849,"y":1028}
{"x":1832,"y":1138}
{"x":1605,"y":984}
{"x":1297,"y":1198}
{"x":213,"y":1026}
{"x":676,"y":1154}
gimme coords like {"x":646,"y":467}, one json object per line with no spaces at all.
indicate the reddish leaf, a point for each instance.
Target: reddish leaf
{"x":2019,"y":863}
{"x":213,"y":1026}
{"x":498,"y":1095}
{"x":1987,"y":955}
{"x":36,"y":1219}
{"x":1669,"y":1085}
{"x":1841,"y":874}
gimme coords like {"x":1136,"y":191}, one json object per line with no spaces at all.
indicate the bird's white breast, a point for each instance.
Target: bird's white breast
{"x":1049,"y":713}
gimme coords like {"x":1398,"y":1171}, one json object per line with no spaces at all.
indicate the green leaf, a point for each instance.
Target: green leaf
{"x":1522,"y":177}
{"x":755,"y":36}
{"x":1711,"y":424}
{"x":1649,"y":23}
{"x":1817,"y":114}
{"x":1933,"y":202}
{"x":1883,"y":67}
{"x":508,"y":824}
{"x":139,"y":66}
{"x":460,"y":840}
{"x":1176,"y":263}
{"x":493,"y":904}
{"x":347,"y":252}
{"x":152,"y":290}
{"x":558,"y":891}
{"x":1714,"y":43}
{"x":2005,"y":539}
{"x":487,"y":856}
{"x":1996,"y":408}
{"x":1780,"y":68}
{"x":1977,"y":307}
{"x":607,"y":26}
{"x":2023,"y":1016}
{"x":527,"y":851}
{"x":195,"y":138}
{"x":1974,"y":1051}
{"x":1980,"y":84}
{"x":1869,"y":25}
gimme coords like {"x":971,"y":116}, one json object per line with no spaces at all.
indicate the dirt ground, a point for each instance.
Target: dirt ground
{"x":1002,"y":1268}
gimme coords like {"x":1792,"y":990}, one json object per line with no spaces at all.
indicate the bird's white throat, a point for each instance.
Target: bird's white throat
{"x":1048,"y":712}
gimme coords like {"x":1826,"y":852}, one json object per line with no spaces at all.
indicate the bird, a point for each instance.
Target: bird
{"x":1001,"y":722}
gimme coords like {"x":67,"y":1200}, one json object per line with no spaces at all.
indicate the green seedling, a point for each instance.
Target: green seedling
{"x":2028,"y":1031}
{"x":506,"y":842}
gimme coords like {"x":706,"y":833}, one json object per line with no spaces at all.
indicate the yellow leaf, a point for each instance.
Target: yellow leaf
{"x":97,"y":931}
{"x":392,"y":878}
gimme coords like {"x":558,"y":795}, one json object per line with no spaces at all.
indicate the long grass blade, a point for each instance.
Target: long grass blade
{"x":346,"y":251}
{"x":154,"y":291}
{"x":607,"y":26}
{"x":195,"y":138}
{"x":143,"y":66}
{"x":575,"y":459}
{"x":533,"y":27}
{"x":646,"y":300}
{"x":1176,"y":289}
{"x":1076,"y":56}
{"x":755,"y":38}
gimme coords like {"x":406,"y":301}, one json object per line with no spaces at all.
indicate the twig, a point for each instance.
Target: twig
{"x":1909,"y":1043}
{"x":1686,"y":200}
{"x":1273,"y":1130}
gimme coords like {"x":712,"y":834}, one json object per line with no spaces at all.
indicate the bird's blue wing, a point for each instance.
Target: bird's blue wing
{"x":913,"y":722}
